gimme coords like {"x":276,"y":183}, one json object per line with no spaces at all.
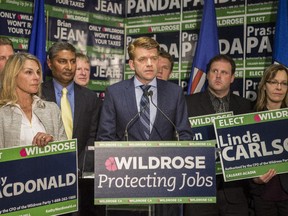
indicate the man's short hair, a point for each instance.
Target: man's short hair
{"x":83,"y":57}
{"x":164,"y":54}
{"x":6,"y":41}
{"x":221,"y":57}
{"x":59,"y":46}
{"x":142,"y":42}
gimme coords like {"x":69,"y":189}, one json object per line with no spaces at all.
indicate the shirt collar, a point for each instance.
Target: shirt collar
{"x":226,"y":98}
{"x":137,"y":83}
{"x":37,"y":102}
{"x":58,"y":87}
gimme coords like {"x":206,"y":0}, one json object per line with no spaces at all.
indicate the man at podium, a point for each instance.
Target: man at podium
{"x":144,"y":107}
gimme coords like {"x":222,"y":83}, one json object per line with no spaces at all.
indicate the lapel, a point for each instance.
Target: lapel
{"x":234,"y":105}
{"x":206,"y":103}
{"x":80,"y":103}
{"x":161,"y":97}
{"x":130,"y":105}
{"x":164,"y":96}
{"x":40,"y":113}
{"x":48,"y":91}
{"x":129,"y":96}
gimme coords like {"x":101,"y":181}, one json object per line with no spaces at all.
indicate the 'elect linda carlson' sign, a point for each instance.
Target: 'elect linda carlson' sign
{"x":251,"y":144}
{"x":154,"y":172}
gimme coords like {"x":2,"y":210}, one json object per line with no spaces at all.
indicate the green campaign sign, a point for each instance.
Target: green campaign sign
{"x":202,"y":128}
{"x":251,"y":144}
{"x":39,"y":181}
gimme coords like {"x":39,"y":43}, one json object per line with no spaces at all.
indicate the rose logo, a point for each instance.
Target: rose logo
{"x":23,"y":152}
{"x":110,"y":164}
{"x":257,"y":118}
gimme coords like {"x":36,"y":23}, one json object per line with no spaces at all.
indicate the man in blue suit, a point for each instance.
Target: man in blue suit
{"x":121,"y":112}
{"x":122,"y":101}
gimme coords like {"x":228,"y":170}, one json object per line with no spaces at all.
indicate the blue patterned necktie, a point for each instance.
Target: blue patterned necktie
{"x":145,"y":114}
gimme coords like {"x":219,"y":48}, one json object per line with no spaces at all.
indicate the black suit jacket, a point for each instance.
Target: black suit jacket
{"x":200,"y":104}
{"x":86,"y":115}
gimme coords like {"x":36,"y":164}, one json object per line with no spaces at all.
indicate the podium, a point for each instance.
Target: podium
{"x":131,"y":177}
{"x":113,"y":210}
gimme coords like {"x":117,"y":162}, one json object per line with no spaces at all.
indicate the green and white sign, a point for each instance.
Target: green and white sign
{"x":39,"y":181}
{"x":251,"y":144}
{"x":154,"y":172}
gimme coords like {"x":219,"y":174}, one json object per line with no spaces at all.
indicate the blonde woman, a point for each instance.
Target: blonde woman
{"x":24,"y":117}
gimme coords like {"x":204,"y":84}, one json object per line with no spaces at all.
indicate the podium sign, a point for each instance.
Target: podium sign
{"x":39,"y":181}
{"x":154,"y":172}
{"x":253,"y":143}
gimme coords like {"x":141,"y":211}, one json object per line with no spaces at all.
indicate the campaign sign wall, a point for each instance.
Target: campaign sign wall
{"x":251,"y":144}
{"x":39,"y":181}
{"x":203,"y":129}
{"x":154,"y":172}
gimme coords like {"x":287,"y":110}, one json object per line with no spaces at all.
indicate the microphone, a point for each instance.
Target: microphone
{"x":88,"y":168}
{"x":135,"y":117}
{"x":150,"y":93}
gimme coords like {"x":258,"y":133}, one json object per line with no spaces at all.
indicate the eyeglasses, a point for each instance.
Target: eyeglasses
{"x":276,"y":84}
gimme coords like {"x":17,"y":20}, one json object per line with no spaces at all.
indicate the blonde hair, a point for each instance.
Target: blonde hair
{"x":269,"y":74}
{"x":143,"y":42}
{"x":82,"y":57}
{"x":10,"y":72}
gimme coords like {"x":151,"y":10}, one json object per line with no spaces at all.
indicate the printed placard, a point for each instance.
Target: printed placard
{"x":154,"y":172}
{"x":251,"y":144}
{"x":202,"y":126}
{"x":203,"y":129}
{"x":39,"y":181}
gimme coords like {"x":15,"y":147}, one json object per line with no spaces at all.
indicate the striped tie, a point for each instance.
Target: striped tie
{"x":145,"y":114}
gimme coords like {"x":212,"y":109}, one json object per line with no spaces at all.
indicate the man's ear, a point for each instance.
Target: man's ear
{"x":131,"y":64}
{"x":232,"y":78}
{"x":49,"y":63}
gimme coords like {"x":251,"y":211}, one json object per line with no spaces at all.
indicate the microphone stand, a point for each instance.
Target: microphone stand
{"x":150,"y":93}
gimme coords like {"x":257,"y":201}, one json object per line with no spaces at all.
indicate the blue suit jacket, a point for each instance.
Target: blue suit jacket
{"x":120,"y":107}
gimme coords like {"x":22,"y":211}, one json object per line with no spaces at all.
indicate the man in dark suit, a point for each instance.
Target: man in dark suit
{"x":122,"y":101}
{"x":85,"y":107}
{"x":231,"y":196}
